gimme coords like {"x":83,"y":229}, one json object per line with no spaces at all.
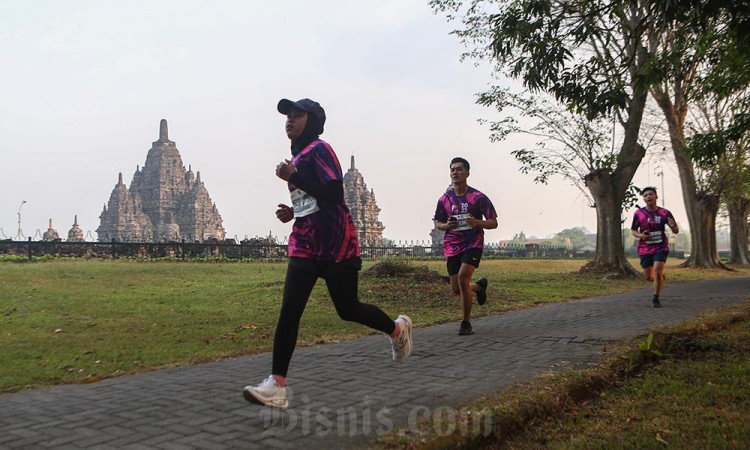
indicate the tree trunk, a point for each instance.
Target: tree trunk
{"x":704,"y":252}
{"x":701,"y":207}
{"x":739,"y":209}
{"x":610,"y":254}
{"x":608,"y":191}
{"x":701,"y":210}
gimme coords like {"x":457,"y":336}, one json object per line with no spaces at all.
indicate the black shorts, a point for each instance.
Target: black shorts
{"x":472,"y":256}
{"x":648,"y":260}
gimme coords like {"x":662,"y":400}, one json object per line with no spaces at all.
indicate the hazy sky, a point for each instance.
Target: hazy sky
{"x":84,"y":85}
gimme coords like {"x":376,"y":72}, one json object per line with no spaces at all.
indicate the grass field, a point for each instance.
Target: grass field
{"x":67,"y":321}
{"x":696,"y":396}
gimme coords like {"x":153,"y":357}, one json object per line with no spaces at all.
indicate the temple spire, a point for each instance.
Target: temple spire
{"x":163,"y":134}
{"x":363,"y":207}
{"x":163,"y":131}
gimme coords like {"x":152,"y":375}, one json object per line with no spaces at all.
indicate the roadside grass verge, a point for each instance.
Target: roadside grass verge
{"x":70,"y":321}
{"x":686,"y":386}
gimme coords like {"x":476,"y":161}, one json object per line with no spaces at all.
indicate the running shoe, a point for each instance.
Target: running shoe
{"x":655,"y":303}
{"x":482,"y":292}
{"x":402,"y":345}
{"x":267,"y":393}
{"x":465,"y":329}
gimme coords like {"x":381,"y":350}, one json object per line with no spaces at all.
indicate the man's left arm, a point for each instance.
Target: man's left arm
{"x":672,"y":224}
{"x":489,"y":224}
{"x":489,"y":214}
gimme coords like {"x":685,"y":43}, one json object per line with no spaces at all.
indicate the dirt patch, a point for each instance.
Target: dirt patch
{"x":400,"y":269}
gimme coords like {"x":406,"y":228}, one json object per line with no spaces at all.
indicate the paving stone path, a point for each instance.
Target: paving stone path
{"x":347,"y":394}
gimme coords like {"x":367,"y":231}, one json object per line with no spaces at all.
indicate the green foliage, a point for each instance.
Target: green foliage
{"x":577,"y":51}
{"x":720,"y":30}
{"x":23,"y":259}
{"x":706,"y":148}
{"x":13,"y":258}
{"x":631,"y":197}
{"x":647,"y":346}
{"x":709,"y":54}
{"x":576,"y":236}
{"x":543,"y":42}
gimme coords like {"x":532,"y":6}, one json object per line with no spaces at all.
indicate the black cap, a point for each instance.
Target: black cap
{"x":307,"y":105}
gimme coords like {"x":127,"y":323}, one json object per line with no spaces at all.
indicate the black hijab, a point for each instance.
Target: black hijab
{"x":310,"y":133}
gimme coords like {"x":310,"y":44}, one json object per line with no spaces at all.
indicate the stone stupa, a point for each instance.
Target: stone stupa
{"x":50,"y":234}
{"x":75,"y":234}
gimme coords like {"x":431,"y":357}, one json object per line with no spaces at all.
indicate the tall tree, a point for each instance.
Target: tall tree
{"x":569,"y":145}
{"x":738,"y":207}
{"x":717,"y":150}
{"x":685,"y":54}
{"x":705,"y":57}
{"x":590,"y":55}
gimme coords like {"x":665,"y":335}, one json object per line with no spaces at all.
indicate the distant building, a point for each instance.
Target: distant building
{"x":363,"y":207}
{"x":75,"y":234}
{"x":437,"y":237}
{"x":50,"y":234}
{"x":165,"y":202}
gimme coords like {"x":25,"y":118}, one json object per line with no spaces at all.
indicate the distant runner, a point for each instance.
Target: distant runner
{"x":459,"y":213}
{"x":648,"y":226}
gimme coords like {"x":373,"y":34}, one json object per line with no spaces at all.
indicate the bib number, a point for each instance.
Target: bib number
{"x":303,"y":203}
{"x":463,"y":224}
{"x":653,"y":238}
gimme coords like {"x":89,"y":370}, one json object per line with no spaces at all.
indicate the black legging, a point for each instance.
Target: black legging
{"x":343,"y":290}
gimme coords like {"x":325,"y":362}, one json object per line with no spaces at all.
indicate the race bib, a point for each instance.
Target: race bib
{"x":654,"y":238}
{"x":462,"y":222}
{"x":303,"y":203}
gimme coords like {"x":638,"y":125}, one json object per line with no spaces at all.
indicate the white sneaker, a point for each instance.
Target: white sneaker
{"x":402,"y":344}
{"x":267,"y":393}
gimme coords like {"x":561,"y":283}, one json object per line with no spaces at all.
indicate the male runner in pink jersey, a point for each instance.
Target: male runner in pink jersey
{"x":459,"y":213}
{"x":648,"y":226}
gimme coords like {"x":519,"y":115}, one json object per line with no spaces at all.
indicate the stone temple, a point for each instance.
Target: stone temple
{"x":75,"y":234}
{"x":165,"y":202}
{"x":363,"y":207}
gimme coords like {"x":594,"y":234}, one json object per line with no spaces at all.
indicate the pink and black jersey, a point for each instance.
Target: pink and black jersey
{"x":472,"y":202}
{"x":326,"y":231}
{"x":655,"y":223}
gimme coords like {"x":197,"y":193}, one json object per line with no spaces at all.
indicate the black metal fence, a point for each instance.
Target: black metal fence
{"x":258,"y":250}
